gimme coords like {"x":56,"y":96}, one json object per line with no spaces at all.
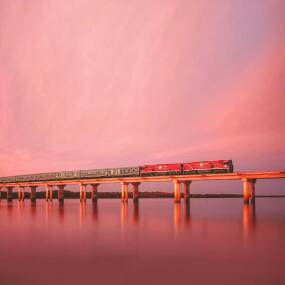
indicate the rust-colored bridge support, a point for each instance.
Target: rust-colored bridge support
{"x":33,"y":193}
{"x":248,"y":190}
{"x":9,"y":193}
{"x":0,"y":193}
{"x":21,"y":193}
{"x":48,"y":192}
{"x":95,"y":191}
{"x":82,"y":193}
{"x":125,"y":192}
{"x":177,"y":191}
{"x":186,"y":189}
{"x":60,"y":195}
{"x":136,"y":191}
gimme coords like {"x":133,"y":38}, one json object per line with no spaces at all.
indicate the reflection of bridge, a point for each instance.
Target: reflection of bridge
{"x":248,"y":179}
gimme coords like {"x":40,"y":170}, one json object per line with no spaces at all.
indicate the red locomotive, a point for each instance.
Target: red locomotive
{"x":199,"y":167}
{"x":161,"y":169}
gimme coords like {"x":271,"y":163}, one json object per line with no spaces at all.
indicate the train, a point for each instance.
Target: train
{"x":187,"y":168}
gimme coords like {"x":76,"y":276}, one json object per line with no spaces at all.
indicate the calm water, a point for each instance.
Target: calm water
{"x":209,"y":241}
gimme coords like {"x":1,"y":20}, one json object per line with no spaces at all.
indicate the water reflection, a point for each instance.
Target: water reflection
{"x":124,"y":212}
{"x":95,"y":210}
{"x":213,"y":244}
{"x":179,"y":219}
{"x":136,"y":212}
{"x":20,"y":210}
{"x":187,"y":211}
{"x":249,"y":217}
{"x":82,"y":212}
{"x":177,"y":215}
{"x":46,"y":211}
{"x":33,"y":209}
{"x":61,"y":211}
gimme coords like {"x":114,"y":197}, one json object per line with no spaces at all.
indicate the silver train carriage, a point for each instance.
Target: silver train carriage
{"x":110,"y":172}
{"x":66,"y":175}
{"x":25,"y":178}
{"x":69,"y":175}
{"x":45,"y":176}
{"x":9,"y":179}
{"x":93,"y":173}
{"x":124,"y":171}
{"x":37,"y":177}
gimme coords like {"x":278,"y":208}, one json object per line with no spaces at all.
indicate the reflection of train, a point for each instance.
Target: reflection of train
{"x":200,"y":167}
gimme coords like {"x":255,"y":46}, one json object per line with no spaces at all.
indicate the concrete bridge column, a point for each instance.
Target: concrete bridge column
{"x":186,"y":189}
{"x":50,"y":192}
{"x":47,"y":192}
{"x":95,"y":192}
{"x":33,"y":193}
{"x":252,"y":190}
{"x":248,"y":190}
{"x":136,"y":191}
{"x":22,"y":191}
{"x":60,"y":194}
{"x":125,"y":193}
{"x":9,"y":193}
{"x":82,"y":192}
{"x":177,"y":191}
{"x":19,"y":193}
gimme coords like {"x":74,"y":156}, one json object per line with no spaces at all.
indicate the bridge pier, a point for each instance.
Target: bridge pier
{"x":125,"y":192}
{"x":9,"y":193}
{"x":22,"y":189}
{"x":95,"y":191}
{"x":21,"y":193}
{"x":60,"y":194}
{"x":33,"y":193}
{"x":249,"y":190}
{"x":186,"y":189}
{"x":82,"y":192}
{"x":48,"y":192}
{"x":136,"y":191}
{"x":177,"y":191}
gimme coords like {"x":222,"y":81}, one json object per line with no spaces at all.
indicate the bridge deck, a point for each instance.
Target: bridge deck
{"x":198,"y":177}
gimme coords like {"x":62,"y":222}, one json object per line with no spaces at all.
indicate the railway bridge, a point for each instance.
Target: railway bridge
{"x":248,"y":180}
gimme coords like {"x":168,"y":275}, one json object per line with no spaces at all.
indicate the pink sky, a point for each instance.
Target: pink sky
{"x":93,"y":84}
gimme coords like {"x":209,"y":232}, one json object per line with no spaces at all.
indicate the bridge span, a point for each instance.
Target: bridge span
{"x":248,"y":180}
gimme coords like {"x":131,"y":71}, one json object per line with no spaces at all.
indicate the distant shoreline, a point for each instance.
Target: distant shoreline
{"x":144,"y":195}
